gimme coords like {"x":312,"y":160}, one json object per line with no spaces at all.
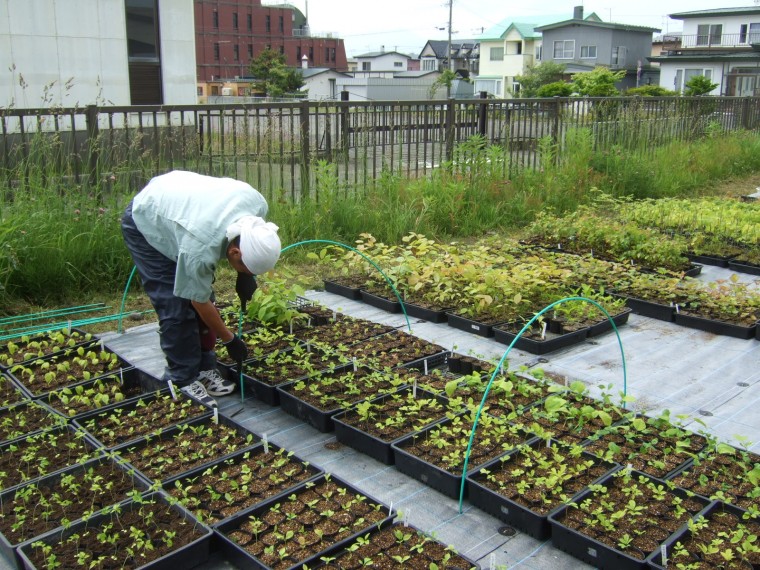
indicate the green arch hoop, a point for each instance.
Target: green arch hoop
{"x":498,"y":367}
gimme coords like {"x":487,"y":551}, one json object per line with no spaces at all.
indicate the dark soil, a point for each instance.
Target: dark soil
{"x":285,"y":366}
{"x":25,"y":418}
{"x":100,"y":553}
{"x":325,"y":514}
{"x":44,"y":508}
{"x":393,"y":349}
{"x":228,"y":488}
{"x":399,"y":546}
{"x":9,"y":392}
{"x":138,"y":419}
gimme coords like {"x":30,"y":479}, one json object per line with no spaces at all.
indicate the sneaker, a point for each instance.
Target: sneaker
{"x":215,"y":384}
{"x":197,"y":391}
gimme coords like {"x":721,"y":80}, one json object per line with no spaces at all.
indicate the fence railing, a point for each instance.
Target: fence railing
{"x":277,"y":146}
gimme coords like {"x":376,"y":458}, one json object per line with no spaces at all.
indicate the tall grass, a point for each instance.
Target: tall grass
{"x":59,"y":243}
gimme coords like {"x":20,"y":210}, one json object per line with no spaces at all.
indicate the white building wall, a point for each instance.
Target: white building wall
{"x":731,"y":24}
{"x":669,"y":70}
{"x":385,"y":62}
{"x":74,"y":53}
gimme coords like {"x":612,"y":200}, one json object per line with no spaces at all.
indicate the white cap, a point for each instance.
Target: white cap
{"x":259,"y":243}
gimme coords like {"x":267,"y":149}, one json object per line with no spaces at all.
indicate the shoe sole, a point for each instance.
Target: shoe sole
{"x":220,"y":393}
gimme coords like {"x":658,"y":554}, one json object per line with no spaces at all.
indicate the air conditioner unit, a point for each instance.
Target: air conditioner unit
{"x":226,"y":91}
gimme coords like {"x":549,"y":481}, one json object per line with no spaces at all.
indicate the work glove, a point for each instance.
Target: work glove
{"x":245,"y":287}
{"x":237,"y":349}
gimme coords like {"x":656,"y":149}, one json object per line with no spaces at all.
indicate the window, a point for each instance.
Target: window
{"x":216,"y":52}
{"x":754,"y":34}
{"x":709,"y":34}
{"x":398,"y":64}
{"x":618,"y":55}
{"x":282,"y":24}
{"x":199,"y":91}
{"x":298,"y":54}
{"x":429,"y":64}
{"x":564,"y":49}
{"x":332,"y":54}
{"x":282,"y":50}
{"x":250,"y":51}
{"x":327,"y":54}
{"x":497,"y":54}
{"x":215,"y":19}
{"x":249,"y":22}
{"x":268,"y":23}
{"x":539,"y":52}
{"x":236,"y":52}
{"x":515,"y":88}
{"x":684,"y":75}
{"x":234,"y":21}
{"x":311,"y":53}
{"x":588,"y":52}
{"x":366,"y":66}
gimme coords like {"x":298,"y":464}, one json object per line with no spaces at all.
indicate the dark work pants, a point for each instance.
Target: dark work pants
{"x":180,"y":326}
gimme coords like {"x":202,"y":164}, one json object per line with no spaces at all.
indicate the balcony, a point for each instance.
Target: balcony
{"x":722,"y":42}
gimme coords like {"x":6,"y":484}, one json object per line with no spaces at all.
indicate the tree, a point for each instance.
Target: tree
{"x":536,"y":76}
{"x":600,"y":82}
{"x":698,"y":85}
{"x":446,"y":79}
{"x":273,"y":76}
{"x":556,"y":89}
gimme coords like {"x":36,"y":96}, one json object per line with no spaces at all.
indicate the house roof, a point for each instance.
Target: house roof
{"x":372,"y":54}
{"x":439,"y":46}
{"x":737,"y":11}
{"x":753,"y":56}
{"x":597,"y":23}
{"x":417,"y":73}
{"x":313,"y":71}
{"x":525,"y":27}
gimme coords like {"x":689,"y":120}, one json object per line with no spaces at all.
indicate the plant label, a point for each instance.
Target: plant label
{"x":664,"y":555}
{"x":492,"y":561}
{"x":171,"y":389}
{"x":414,"y":389}
{"x":265,"y":441}
{"x":215,"y":418}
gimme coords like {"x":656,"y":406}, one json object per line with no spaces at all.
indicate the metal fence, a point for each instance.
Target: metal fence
{"x":281,"y":148}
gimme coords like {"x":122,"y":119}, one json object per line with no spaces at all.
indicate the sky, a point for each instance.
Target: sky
{"x":405,"y":25}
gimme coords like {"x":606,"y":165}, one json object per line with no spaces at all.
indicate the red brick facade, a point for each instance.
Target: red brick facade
{"x":228,"y":33}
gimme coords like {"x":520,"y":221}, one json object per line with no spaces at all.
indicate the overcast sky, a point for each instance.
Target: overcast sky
{"x":405,"y":25}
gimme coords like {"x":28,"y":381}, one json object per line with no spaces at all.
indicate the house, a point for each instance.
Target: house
{"x":722,"y":44}
{"x":321,"y":83}
{"x":507,"y":50}
{"x":465,"y":56}
{"x":229,"y":33}
{"x":382,"y":62}
{"x":665,"y":43}
{"x":582,"y":44}
{"x":120,"y":52}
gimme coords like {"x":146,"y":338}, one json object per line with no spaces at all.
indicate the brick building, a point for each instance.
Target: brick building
{"x":229,"y":33}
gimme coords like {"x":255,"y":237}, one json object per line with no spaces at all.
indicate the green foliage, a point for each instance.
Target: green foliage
{"x":698,"y":85}
{"x":600,"y":82}
{"x":446,"y":79}
{"x":556,"y":89}
{"x":650,"y":91}
{"x":538,"y":75}
{"x":274,"y":77}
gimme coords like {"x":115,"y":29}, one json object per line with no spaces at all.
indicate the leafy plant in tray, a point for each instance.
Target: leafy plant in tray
{"x":397,"y":546}
{"x":130,"y":535}
{"x":245,"y":479}
{"x":138,"y":419}
{"x":87,"y":396}
{"x":621,"y":520}
{"x":24,"y":418}
{"x":295,"y":529}
{"x":32,"y":347}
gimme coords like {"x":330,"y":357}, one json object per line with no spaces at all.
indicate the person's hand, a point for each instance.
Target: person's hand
{"x":245,"y":286}
{"x":237,"y":349}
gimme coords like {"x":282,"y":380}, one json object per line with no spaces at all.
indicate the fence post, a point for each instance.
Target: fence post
{"x":450,"y":127}
{"x":344,"y":118}
{"x":91,"y":121}
{"x":305,"y":149}
{"x":555,"y":129}
{"x":483,"y":114}
{"x":746,"y":113}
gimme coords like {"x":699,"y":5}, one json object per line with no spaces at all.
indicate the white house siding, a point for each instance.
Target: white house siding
{"x":731,"y":25}
{"x":669,"y":70}
{"x":74,"y":53}
{"x":377,"y":89}
{"x":384,"y":62}
{"x":320,"y":86}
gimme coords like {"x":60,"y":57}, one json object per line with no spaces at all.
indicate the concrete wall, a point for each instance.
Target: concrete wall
{"x":74,"y":52}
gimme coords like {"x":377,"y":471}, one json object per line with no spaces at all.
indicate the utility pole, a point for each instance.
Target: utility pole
{"x":448,"y":55}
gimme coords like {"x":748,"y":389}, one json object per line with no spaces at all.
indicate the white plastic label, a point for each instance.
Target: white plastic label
{"x":492,"y":561}
{"x":664,"y":555}
{"x":543,"y":330}
{"x":265,"y":441}
{"x":414,"y":388}
{"x":425,"y":366}
{"x":354,"y":361}
{"x":215,"y":418}
{"x":171,"y":389}
{"x":406,"y":517}
{"x":121,"y":376}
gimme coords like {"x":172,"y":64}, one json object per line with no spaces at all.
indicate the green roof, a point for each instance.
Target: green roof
{"x":525,"y":27}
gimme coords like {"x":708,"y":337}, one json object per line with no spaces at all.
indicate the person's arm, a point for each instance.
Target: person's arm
{"x":207,"y":311}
